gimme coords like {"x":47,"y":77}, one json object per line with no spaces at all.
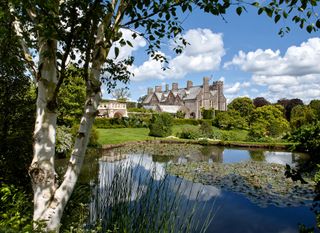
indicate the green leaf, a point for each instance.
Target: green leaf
{"x":129,"y":43}
{"x":269,"y":12}
{"x":151,"y":37}
{"x":285,"y":14}
{"x":301,"y":24}
{"x":313,"y":2}
{"x":309,"y":14}
{"x":116,"y":51}
{"x":260,"y":11}
{"x":239,"y":10}
{"x":309,"y":28}
{"x":184,"y":7}
{"x":318,"y":23}
{"x":277,"y":18}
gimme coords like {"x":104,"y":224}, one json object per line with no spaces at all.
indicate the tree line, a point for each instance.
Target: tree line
{"x":283,"y":119}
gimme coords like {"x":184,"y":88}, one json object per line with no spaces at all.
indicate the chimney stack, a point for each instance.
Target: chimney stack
{"x":167,"y":87}
{"x":174,"y":86}
{"x":206,"y":84}
{"x":150,"y":90}
{"x":189,"y":84}
{"x":158,"y":88}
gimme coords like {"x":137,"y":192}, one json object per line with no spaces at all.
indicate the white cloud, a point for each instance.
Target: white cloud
{"x":235,"y":88}
{"x":296,"y":74}
{"x":149,"y":69}
{"x":127,"y":50}
{"x":203,"y":54}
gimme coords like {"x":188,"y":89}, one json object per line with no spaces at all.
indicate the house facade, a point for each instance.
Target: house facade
{"x":112,"y":109}
{"x":190,"y":99}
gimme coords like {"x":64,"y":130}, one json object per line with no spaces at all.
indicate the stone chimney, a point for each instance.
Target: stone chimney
{"x":189,"y":84}
{"x":206,"y":84}
{"x":167,"y":87}
{"x":158,"y":89}
{"x":206,"y":93}
{"x":150,"y":90}
{"x":174,"y":86}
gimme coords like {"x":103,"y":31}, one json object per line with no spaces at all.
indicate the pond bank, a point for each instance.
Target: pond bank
{"x":262,"y":145}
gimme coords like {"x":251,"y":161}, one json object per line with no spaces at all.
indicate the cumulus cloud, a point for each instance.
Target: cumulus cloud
{"x":235,"y":88}
{"x":203,"y":53}
{"x":127,"y":50}
{"x":296,"y":74}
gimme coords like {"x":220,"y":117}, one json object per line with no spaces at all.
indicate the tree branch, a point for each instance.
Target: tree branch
{"x":26,"y":54}
{"x":150,"y":15}
{"x":69,"y":41}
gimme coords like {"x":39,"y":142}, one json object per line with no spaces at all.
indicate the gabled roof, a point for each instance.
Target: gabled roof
{"x":147,"y":99}
{"x":158,"y":95}
{"x":192,"y":93}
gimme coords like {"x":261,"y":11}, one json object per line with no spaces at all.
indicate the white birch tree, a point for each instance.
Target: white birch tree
{"x":59,"y":31}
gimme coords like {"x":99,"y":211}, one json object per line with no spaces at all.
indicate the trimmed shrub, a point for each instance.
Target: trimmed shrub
{"x":206,"y":129}
{"x":124,"y":122}
{"x":180,"y":115}
{"x":161,"y":125}
{"x":207,"y":113}
{"x":103,"y":123}
{"x":177,"y":121}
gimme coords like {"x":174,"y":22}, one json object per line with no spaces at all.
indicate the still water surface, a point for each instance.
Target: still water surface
{"x":234,"y":212}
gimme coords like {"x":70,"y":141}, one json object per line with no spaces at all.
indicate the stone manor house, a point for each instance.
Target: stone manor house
{"x":190,"y":99}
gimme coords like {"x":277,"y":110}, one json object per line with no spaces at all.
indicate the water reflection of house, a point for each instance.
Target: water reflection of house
{"x":112,"y":156}
{"x":112,"y":108}
{"x":189,"y":100}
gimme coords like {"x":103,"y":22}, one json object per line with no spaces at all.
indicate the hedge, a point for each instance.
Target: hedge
{"x":124,"y":122}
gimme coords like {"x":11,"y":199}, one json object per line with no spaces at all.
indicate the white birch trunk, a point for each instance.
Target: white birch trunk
{"x":42,"y":170}
{"x":50,"y":201}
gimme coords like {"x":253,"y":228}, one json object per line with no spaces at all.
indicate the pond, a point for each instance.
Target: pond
{"x":227,"y":189}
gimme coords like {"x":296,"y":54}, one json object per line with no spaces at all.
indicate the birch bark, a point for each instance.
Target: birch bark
{"x":50,"y":200}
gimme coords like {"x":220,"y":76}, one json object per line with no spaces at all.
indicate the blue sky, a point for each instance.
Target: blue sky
{"x":245,"y":52}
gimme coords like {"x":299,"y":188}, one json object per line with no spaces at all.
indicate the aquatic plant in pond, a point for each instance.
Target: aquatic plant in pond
{"x":135,"y":195}
{"x":263,"y":183}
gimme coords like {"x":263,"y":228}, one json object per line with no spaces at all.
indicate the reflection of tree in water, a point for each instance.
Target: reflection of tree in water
{"x":300,"y":159}
{"x":257,"y":155}
{"x":212,"y":152}
{"x":162,"y":158}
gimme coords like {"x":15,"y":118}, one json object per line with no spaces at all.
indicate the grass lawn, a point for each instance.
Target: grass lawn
{"x":231,"y":137}
{"x":122,"y":135}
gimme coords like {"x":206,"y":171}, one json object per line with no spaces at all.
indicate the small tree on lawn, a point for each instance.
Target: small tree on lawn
{"x":161,"y":125}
